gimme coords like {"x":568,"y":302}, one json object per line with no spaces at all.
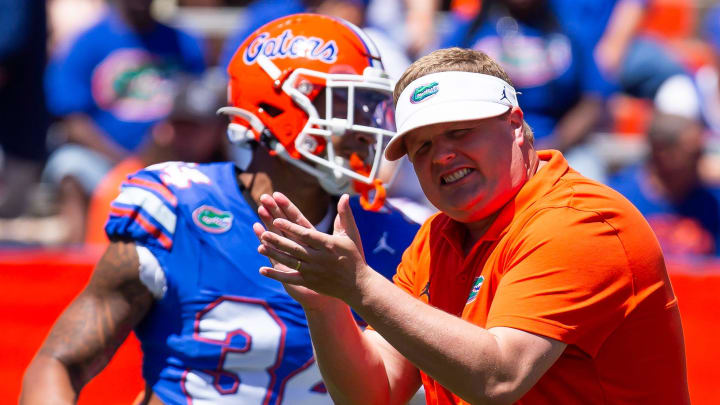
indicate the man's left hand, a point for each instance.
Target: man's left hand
{"x":332,"y":265}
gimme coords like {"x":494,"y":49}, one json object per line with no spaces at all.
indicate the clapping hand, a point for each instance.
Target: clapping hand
{"x":307,"y":260}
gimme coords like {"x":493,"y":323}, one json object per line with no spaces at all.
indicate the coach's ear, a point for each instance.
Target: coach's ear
{"x":516,"y":122}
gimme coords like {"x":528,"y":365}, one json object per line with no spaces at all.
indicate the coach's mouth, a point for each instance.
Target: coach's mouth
{"x":455,"y":176}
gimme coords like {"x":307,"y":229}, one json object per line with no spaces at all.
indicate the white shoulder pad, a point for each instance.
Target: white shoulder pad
{"x":151,"y":274}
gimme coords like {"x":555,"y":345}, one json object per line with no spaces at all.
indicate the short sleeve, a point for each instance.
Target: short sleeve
{"x":404,"y":276}
{"x":566,"y":277}
{"x":144,"y":211}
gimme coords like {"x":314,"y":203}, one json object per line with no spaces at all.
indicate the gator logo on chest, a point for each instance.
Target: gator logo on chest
{"x":212,"y":219}
{"x":475,"y":289}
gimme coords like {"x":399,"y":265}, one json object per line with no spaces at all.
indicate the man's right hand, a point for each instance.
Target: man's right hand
{"x":279,"y":206}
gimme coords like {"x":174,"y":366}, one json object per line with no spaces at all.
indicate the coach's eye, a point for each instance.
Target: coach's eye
{"x":423,"y":148}
{"x":459,"y":133}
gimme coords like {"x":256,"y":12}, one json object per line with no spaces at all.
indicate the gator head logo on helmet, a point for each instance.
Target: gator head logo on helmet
{"x":298,"y":84}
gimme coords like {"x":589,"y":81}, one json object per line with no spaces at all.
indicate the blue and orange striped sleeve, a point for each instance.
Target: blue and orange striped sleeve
{"x":144,"y":211}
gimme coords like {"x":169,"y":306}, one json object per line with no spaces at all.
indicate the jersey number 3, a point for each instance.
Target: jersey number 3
{"x":249,"y":375}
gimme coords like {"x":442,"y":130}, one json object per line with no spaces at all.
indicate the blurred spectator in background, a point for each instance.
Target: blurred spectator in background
{"x":22,"y":109}
{"x":639,"y":64}
{"x":257,"y":13}
{"x":708,"y":76}
{"x":562,"y":90}
{"x":111,"y":85}
{"x":69,"y":18}
{"x":193,"y":132}
{"x":667,"y":189}
{"x":411,"y":23}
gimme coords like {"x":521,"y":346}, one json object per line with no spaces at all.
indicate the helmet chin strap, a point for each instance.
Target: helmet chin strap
{"x":378,"y":199}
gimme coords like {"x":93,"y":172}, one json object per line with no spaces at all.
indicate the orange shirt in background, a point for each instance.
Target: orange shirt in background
{"x":572,"y":260}
{"x":104,"y":194}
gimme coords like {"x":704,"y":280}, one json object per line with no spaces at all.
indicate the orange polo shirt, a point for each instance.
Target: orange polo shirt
{"x":570,"y":259}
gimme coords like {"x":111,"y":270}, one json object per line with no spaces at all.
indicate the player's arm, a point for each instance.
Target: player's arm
{"x":495,"y":366}
{"x":358,"y":367}
{"x":88,"y":333}
{"x":481,"y":366}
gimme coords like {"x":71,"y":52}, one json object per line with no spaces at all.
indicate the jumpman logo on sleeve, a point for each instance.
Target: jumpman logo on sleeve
{"x":426,"y":291}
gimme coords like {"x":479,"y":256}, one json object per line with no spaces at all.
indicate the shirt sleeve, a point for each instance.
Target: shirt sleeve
{"x":566,"y":277}
{"x":144,"y":211}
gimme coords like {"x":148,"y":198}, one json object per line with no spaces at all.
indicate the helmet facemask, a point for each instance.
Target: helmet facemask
{"x":349,"y":105}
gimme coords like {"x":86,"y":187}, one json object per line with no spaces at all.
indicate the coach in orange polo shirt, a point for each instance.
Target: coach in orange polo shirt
{"x":544,"y":287}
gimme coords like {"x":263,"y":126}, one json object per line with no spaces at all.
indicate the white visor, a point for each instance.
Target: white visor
{"x":448,"y":97}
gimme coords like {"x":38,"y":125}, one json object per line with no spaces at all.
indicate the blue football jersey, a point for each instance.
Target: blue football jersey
{"x":220,"y":332}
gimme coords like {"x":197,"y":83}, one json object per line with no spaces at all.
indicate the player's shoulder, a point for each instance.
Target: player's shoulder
{"x":190,"y":183}
{"x":151,"y":199}
{"x":180,"y":175}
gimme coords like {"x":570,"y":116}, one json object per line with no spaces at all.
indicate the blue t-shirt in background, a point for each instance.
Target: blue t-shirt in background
{"x":586,"y":20}
{"x":689,"y":227}
{"x":120,"y":78}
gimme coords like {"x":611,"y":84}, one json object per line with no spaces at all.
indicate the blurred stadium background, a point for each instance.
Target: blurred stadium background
{"x":51,"y":234}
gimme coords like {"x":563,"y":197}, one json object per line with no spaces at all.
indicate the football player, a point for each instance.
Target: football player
{"x":309,"y":103}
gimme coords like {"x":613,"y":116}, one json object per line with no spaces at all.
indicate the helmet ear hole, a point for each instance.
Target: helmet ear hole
{"x":270,"y":109}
